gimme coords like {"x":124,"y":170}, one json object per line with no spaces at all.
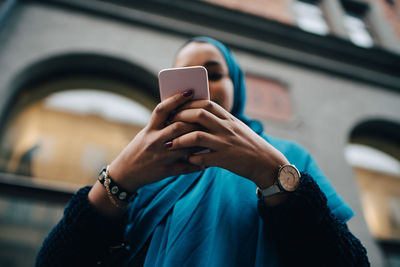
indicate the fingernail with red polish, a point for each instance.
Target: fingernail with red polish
{"x":168,"y":144}
{"x":187,"y":93}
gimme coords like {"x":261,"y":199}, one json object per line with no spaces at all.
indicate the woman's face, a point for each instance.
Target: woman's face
{"x":208,"y":56}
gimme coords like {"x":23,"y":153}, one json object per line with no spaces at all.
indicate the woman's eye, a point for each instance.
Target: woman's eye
{"x":214,"y":76}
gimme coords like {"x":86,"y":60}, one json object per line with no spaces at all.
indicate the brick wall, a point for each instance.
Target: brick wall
{"x":273,"y":9}
{"x":267,"y":100}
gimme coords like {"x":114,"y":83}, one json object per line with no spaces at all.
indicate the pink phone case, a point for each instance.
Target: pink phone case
{"x":174,"y":80}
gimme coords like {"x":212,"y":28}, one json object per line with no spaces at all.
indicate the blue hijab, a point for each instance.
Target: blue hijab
{"x":210,"y":218}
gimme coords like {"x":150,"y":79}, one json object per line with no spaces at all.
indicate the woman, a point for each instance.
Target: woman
{"x":210,"y":215}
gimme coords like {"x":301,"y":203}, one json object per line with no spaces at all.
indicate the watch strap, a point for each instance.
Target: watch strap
{"x":272,"y":190}
{"x":269,"y":191}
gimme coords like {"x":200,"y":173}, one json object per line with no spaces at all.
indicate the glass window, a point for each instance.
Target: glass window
{"x":391,"y":2}
{"x":378,"y":176}
{"x":64,"y":137}
{"x":310,"y":17}
{"x":376,"y":166}
{"x":355,"y":21}
{"x":358,"y":30}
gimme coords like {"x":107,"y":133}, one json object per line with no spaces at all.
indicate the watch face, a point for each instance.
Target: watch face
{"x":289,"y":178}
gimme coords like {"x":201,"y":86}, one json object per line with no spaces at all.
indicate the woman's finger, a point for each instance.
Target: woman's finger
{"x":177,"y":129}
{"x":200,"y":116}
{"x":195,"y":139}
{"x":164,"y":109}
{"x":183,"y":167}
{"x":205,"y":159}
{"x":208,"y":105}
{"x":180,"y":154}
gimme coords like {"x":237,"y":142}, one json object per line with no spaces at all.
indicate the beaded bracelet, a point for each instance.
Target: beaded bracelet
{"x":114,"y":190}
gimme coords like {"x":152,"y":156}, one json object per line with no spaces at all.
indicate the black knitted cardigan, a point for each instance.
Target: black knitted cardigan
{"x":303,"y":229}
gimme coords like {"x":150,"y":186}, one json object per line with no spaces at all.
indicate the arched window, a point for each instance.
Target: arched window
{"x":61,"y":131}
{"x":67,"y":136}
{"x":65,"y":118}
{"x":374,"y":154}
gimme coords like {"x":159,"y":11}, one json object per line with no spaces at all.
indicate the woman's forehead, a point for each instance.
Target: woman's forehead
{"x":198,"y":53}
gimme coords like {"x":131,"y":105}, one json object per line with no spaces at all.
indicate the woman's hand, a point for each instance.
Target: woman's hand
{"x":146,"y":159}
{"x":234,"y":146}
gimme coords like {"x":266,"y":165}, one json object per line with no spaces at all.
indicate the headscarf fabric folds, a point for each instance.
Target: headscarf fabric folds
{"x":210,"y":218}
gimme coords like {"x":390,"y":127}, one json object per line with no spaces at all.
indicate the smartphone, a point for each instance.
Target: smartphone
{"x":175,"y":80}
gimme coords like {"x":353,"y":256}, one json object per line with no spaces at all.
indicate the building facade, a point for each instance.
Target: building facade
{"x":78,"y":80}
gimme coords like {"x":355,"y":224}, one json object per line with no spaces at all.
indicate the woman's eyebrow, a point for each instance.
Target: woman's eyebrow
{"x":211,"y":63}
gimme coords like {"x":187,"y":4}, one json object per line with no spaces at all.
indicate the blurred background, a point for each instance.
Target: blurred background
{"x":78,"y":80}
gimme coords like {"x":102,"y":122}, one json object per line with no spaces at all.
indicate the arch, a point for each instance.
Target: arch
{"x":373,"y":152}
{"x":379,"y":133}
{"x":103,"y":77}
{"x":72,"y":64}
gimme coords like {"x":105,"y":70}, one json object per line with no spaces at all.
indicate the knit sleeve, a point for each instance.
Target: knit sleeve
{"x":306,"y":233}
{"x":82,"y":236}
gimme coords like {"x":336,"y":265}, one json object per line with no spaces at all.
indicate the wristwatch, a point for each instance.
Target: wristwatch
{"x":288,"y":180}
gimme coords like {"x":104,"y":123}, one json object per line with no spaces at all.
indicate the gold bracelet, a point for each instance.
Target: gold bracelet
{"x":110,"y":196}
